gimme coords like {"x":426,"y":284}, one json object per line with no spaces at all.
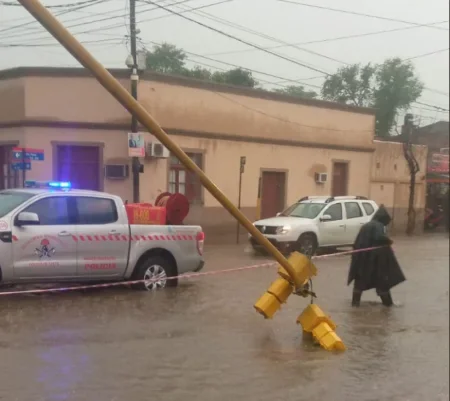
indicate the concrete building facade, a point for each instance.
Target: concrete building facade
{"x":286,"y":140}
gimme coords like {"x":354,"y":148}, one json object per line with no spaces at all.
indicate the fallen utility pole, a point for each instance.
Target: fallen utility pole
{"x":136,"y":165}
{"x":414,"y":168}
{"x":38,"y":11}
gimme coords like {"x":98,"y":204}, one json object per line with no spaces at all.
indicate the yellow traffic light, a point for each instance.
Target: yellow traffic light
{"x":303,"y":266}
{"x":313,"y":320}
{"x":283,"y":287}
{"x":276,"y":295}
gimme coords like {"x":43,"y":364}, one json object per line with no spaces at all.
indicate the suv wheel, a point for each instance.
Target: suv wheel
{"x":307,"y":244}
{"x":154,"y":273}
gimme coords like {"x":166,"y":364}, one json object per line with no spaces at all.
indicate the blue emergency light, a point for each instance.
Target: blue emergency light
{"x":48,"y":184}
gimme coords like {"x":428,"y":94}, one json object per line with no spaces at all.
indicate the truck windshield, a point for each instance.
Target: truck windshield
{"x":304,"y":210}
{"x":10,"y":200}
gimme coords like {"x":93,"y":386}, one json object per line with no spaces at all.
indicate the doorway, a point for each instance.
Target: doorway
{"x":273,"y":193}
{"x":9,"y":178}
{"x":79,"y":165}
{"x":339,"y":185}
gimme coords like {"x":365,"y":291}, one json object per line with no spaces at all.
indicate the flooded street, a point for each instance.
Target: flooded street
{"x":203,"y":341}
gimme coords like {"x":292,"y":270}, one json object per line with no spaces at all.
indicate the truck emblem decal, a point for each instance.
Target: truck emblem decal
{"x":45,"y":250}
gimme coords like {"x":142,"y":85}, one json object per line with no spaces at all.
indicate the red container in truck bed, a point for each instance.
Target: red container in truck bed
{"x":146,"y":214}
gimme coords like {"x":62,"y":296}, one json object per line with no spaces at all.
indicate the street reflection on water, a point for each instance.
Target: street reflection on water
{"x":204,"y":341}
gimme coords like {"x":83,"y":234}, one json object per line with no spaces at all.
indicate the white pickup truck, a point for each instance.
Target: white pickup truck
{"x":57,"y":234}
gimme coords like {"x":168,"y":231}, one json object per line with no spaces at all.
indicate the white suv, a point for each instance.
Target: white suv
{"x":316,"y":222}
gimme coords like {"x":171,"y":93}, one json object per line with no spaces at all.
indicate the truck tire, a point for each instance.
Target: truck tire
{"x":152,"y":268}
{"x":307,"y":244}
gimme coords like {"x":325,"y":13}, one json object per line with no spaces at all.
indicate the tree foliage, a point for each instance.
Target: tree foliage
{"x":169,"y":59}
{"x":166,"y":59}
{"x":298,"y":91}
{"x":237,"y":76}
{"x":390,"y":88}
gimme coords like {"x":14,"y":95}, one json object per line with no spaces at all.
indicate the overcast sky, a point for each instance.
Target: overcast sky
{"x":104,"y":28}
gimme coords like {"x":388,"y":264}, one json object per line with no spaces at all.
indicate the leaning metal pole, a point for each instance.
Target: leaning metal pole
{"x":38,"y":11}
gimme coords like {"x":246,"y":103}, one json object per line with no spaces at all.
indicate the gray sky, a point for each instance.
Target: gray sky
{"x":285,"y":23}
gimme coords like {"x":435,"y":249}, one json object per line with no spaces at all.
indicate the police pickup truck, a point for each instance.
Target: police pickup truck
{"x":50,"y":233}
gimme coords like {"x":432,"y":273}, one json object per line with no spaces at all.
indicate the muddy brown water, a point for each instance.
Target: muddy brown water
{"x":203,"y":341}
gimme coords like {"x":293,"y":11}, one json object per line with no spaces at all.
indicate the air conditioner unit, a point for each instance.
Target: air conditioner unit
{"x":321,"y":178}
{"x":116,"y":171}
{"x":156,"y":150}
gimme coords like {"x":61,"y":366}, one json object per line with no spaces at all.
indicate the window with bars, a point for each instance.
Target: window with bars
{"x":9,"y":178}
{"x":183,"y":181}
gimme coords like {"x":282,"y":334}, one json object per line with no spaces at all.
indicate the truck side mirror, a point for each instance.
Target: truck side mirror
{"x":27,"y":219}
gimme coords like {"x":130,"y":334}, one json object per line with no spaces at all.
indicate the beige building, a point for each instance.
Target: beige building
{"x":286,"y":141}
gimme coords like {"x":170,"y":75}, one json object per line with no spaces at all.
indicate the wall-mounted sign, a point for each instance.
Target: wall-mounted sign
{"x":438,"y":163}
{"x":136,"y":144}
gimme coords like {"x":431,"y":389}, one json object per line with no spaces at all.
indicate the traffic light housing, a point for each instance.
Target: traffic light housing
{"x":313,"y":320}
{"x":280,"y":290}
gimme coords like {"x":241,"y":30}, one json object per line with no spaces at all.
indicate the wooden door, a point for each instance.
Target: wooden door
{"x":340,"y":179}
{"x":9,"y":178}
{"x":79,"y":165}
{"x":273,"y":193}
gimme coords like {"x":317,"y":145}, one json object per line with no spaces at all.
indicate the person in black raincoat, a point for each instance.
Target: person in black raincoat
{"x":376,"y":269}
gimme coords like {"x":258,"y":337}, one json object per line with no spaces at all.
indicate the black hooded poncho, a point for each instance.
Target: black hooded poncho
{"x":377,"y":268}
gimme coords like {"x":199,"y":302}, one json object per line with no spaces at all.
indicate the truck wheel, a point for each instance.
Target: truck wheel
{"x":307,"y":244}
{"x":155,"y":273}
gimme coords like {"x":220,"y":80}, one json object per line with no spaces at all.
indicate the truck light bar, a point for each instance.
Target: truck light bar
{"x":48,"y":184}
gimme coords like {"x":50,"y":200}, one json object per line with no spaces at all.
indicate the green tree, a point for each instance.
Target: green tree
{"x":237,"y":76}
{"x":166,"y":59}
{"x":298,"y":91}
{"x":351,"y":85}
{"x":390,"y":88}
{"x":198,"y":73}
{"x":397,"y":86}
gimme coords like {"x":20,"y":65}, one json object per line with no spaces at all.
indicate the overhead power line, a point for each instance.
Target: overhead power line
{"x":76,"y":4}
{"x":362,"y":14}
{"x":296,"y":81}
{"x":231,"y":24}
{"x":101,"y":30}
{"x":236,"y":38}
{"x":34,"y":22}
{"x":331,"y":39}
{"x":433,"y":106}
{"x":427,"y":54}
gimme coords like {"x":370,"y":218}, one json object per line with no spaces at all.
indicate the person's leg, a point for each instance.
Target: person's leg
{"x":357,"y":293}
{"x":386,"y":297}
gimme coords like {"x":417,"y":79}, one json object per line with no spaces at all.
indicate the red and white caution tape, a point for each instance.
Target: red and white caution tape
{"x":182,"y":276}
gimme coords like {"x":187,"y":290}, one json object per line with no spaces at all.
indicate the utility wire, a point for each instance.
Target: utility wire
{"x":236,"y":38}
{"x":362,"y":14}
{"x":434,"y":107}
{"x":427,"y":54}
{"x":98,"y":41}
{"x":223,"y":21}
{"x":107,"y":17}
{"x":33,"y":22}
{"x":332,"y":39}
{"x":246,"y":69}
{"x":76,"y":4}
{"x":102,"y":29}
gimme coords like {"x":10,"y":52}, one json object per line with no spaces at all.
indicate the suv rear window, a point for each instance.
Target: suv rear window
{"x":368,"y":208}
{"x":353,"y":210}
{"x":95,"y":211}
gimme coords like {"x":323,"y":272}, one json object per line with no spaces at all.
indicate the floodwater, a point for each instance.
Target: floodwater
{"x":203,"y":341}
